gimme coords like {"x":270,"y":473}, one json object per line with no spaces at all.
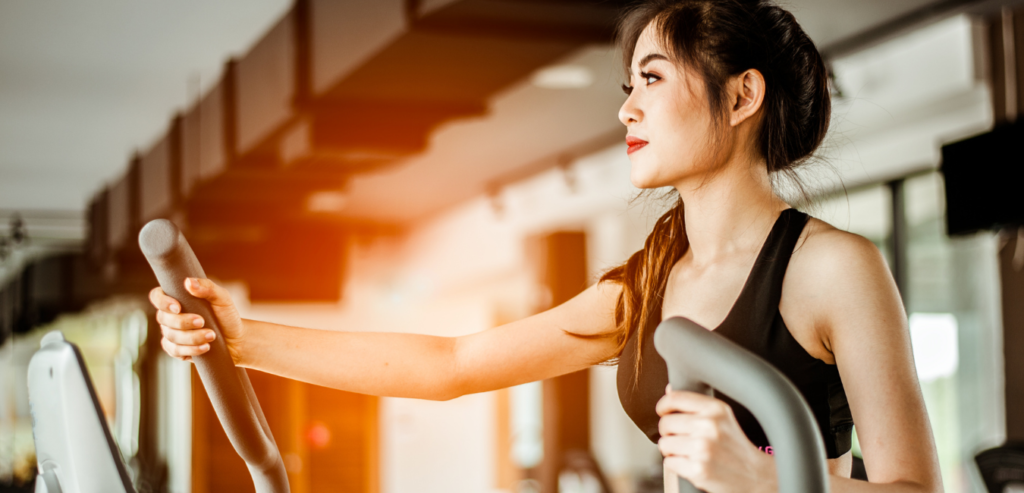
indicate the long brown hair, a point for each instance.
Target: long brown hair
{"x":721,"y":38}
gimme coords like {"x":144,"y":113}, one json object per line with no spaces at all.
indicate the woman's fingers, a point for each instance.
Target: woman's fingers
{"x":700,"y":449}
{"x":689,"y":457}
{"x":687,"y":424}
{"x":162,"y":302}
{"x":694,"y":470}
{"x":208,"y":290}
{"x":184,"y":321}
{"x":200,"y":288}
{"x":683,"y":401}
{"x":181,"y":339}
{"x":181,"y":351}
{"x":187,"y":337}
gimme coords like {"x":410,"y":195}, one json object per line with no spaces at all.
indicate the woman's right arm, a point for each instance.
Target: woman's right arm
{"x":404,"y":365}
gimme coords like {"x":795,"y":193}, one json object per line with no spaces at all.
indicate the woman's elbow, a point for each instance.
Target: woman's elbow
{"x":447,"y":396}
{"x":453,"y":388}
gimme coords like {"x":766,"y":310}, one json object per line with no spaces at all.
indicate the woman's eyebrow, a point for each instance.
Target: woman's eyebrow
{"x":651,"y":57}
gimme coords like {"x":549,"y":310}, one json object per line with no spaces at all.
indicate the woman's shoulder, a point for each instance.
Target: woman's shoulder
{"x":833,"y":277}
{"x":823,"y":248}
{"x":833,"y":267}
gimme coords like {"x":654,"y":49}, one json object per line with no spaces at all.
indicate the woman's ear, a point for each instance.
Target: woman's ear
{"x":746,"y":91}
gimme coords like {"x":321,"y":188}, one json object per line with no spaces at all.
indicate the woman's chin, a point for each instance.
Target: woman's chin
{"x":641,"y":180}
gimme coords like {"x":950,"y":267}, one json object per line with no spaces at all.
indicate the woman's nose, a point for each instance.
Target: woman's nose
{"x":628,"y":112}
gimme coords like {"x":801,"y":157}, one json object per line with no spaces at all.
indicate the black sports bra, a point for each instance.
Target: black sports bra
{"x":755,"y":323}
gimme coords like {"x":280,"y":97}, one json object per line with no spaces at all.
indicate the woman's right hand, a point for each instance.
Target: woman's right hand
{"x":184,"y":335}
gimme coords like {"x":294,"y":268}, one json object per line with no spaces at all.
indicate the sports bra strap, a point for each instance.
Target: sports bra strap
{"x":763,"y":289}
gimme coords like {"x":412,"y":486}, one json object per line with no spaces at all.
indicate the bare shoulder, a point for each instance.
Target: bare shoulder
{"x":835,"y":277}
{"x":824,"y":248}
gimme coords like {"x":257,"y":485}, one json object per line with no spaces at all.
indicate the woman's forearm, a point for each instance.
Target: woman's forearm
{"x":384,"y":364}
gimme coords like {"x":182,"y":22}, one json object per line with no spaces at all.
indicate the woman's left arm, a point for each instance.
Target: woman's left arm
{"x":861,"y":318}
{"x":847,"y":294}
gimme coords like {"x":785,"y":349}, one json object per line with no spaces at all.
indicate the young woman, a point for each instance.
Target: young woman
{"x":723,"y":94}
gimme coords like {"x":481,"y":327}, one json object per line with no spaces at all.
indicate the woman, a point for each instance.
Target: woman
{"x":723,"y":95}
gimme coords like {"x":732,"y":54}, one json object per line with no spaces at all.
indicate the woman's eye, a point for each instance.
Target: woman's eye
{"x":648,"y":79}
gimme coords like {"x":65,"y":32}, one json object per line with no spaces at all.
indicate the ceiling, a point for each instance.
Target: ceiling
{"x":830,"y":21}
{"x":83,"y":86}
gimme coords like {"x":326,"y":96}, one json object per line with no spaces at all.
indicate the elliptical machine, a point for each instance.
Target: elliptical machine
{"x":76,"y":452}
{"x":74,"y":448}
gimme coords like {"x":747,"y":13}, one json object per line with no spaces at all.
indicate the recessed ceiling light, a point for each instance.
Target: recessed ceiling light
{"x":563,"y":77}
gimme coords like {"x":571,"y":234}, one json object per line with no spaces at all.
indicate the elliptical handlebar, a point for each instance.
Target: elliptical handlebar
{"x":697,"y":357}
{"x":234,"y":401}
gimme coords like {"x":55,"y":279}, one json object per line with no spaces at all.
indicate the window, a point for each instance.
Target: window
{"x":950,"y":288}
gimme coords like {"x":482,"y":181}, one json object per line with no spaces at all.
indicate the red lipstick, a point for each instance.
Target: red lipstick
{"x":634,"y":144}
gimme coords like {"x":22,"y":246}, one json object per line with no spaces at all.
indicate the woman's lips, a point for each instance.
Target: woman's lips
{"x":634,"y":144}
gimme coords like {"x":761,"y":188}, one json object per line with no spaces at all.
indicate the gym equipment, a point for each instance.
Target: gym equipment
{"x":228,"y":386}
{"x":698,"y":358}
{"x":1002,"y":468}
{"x":67,"y":421}
{"x":75,"y":451}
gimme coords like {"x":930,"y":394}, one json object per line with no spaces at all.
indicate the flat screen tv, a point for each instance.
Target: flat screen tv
{"x":984,"y":178}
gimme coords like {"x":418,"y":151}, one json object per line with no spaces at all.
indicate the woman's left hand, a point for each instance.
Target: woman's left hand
{"x":702,"y":442}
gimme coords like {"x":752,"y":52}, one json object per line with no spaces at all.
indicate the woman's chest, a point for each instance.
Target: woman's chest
{"x":730,"y":292}
{"x":705,"y":295}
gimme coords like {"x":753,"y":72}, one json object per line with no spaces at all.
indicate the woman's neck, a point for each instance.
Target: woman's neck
{"x":729,"y":212}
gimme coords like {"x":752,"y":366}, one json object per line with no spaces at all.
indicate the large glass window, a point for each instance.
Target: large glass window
{"x":864,"y":211}
{"x":951,"y":294}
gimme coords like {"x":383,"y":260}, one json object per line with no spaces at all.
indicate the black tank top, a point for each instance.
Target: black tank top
{"x":755,"y":323}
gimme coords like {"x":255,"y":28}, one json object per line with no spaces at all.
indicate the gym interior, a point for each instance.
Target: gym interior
{"x":444,"y":167}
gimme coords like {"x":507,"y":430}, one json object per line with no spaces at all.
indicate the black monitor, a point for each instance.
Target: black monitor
{"x":985,"y":180}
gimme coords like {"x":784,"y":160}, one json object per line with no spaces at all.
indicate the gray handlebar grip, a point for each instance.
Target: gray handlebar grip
{"x":683,"y":381}
{"x":228,"y":386}
{"x":695,"y":354}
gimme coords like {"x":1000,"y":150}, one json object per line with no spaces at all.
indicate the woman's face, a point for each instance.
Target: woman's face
{"x":667,"y":108}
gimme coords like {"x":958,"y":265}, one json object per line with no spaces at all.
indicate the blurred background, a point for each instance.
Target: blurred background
{"x":444,"y":167}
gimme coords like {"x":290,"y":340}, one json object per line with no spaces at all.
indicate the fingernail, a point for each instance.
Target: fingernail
{"x":198,"y":322}
{"x":204,"y":347}
{"x":209,"y":336}
{"x":175,"y":309}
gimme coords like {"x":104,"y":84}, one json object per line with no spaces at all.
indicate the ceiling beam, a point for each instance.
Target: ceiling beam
{"x":910,"y":21}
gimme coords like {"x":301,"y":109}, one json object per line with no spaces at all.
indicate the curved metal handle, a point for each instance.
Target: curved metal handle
{"x":695,"y":355}
{"x":229,"y":389}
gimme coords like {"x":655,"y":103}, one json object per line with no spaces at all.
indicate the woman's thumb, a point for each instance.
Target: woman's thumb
{"x":208,"y":290}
